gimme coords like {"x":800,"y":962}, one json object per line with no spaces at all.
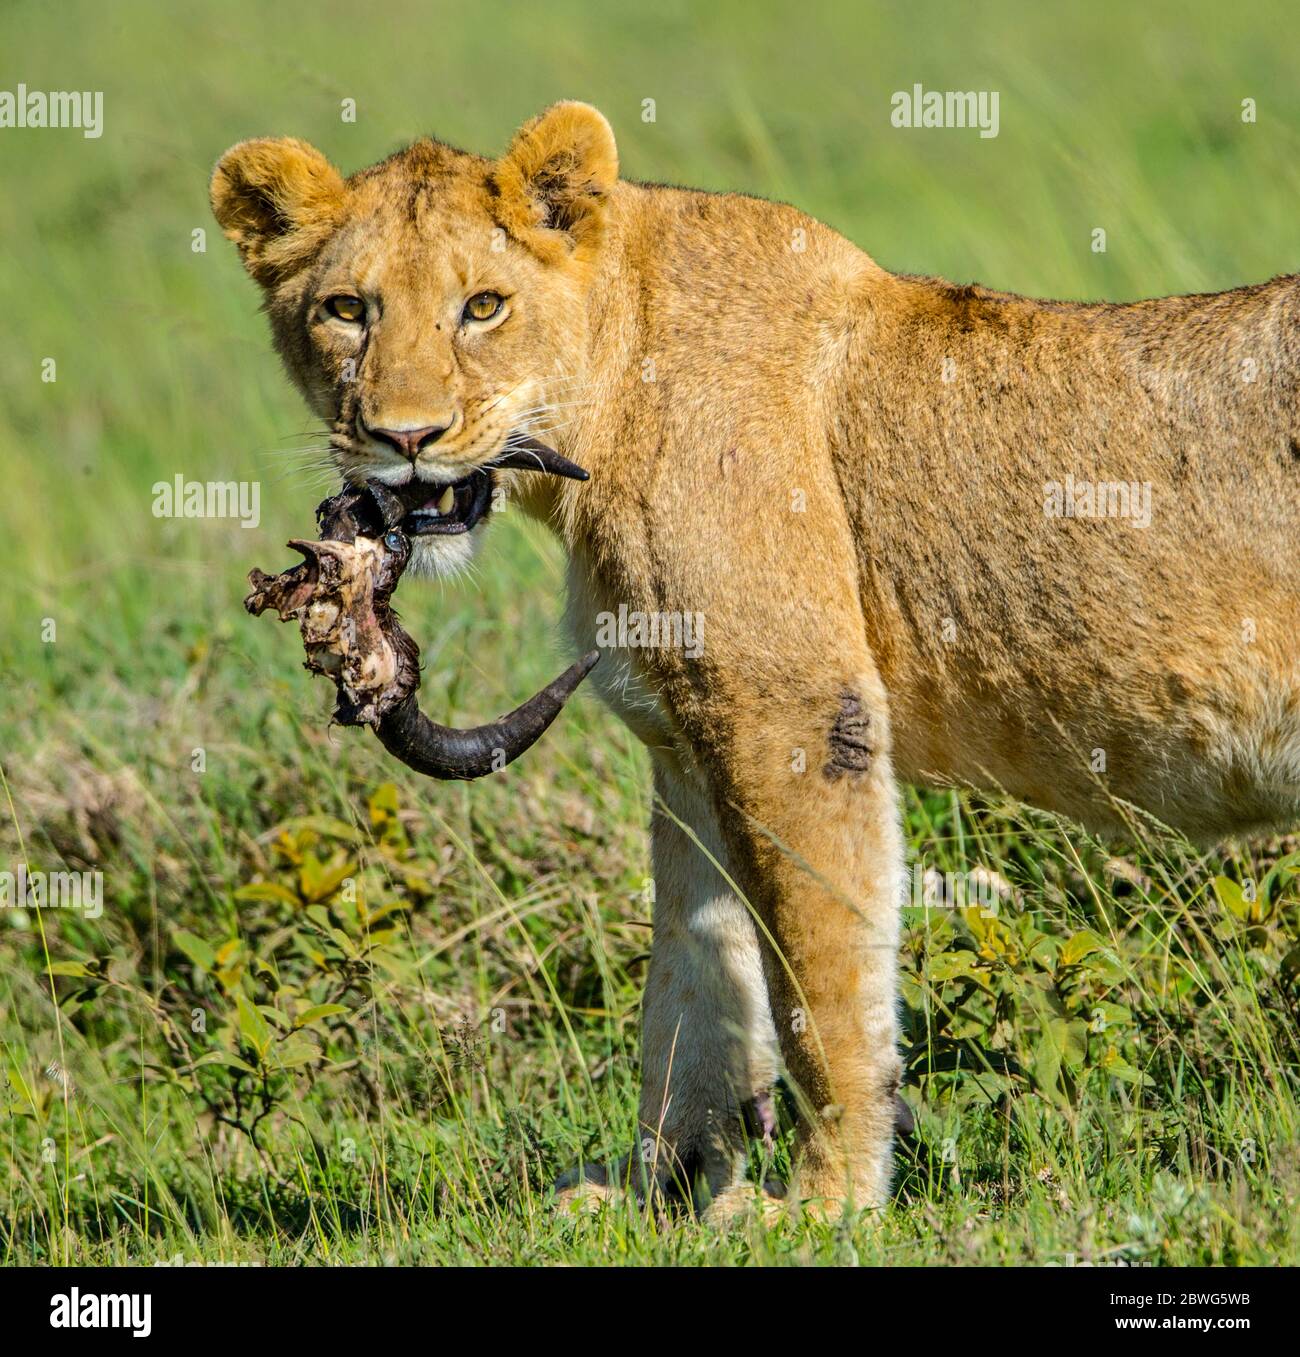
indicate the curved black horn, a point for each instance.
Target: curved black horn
{"x":530,"y":455}
{"x":439,"y":751}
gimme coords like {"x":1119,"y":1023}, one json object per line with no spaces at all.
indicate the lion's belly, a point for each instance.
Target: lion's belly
{"x":1209,"y":744}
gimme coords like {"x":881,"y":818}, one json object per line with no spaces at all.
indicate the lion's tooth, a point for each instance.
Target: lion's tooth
{"x":446,"y":501}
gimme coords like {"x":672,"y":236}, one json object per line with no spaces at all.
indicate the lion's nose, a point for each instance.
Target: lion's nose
{"x":410,"y":442}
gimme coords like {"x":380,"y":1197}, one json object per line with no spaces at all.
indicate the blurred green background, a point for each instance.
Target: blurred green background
{"x":1114,"y":115}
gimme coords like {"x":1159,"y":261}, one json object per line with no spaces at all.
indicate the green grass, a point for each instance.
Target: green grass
{"x":1108,"y":1071}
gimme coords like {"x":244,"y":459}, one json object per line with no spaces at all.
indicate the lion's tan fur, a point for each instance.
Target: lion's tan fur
{"x":845,"y":473}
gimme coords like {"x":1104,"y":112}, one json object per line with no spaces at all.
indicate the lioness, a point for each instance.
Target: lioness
{"x":925,"y":531}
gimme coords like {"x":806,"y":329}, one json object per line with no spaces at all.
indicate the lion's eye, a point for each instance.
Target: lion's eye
{"x":483,"y":306}
{"x":350,"y":309}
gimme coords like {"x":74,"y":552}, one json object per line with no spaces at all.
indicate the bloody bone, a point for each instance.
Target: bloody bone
{"x":340,"y":593}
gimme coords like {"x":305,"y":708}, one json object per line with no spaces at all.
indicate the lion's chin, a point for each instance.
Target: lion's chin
{"x":442,"y":557}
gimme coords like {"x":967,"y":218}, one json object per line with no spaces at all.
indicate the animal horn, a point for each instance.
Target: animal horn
{"x":530,"y":455}
{"x":441,"y":752}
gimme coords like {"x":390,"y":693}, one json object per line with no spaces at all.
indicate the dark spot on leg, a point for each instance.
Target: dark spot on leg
{"x":850,"y":738}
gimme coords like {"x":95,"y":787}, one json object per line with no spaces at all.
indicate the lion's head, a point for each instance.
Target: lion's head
{"x":432,"y":309}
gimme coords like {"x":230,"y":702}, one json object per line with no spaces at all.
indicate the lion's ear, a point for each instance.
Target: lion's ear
{"x":276,"y":198}
{"x":552,"y":186}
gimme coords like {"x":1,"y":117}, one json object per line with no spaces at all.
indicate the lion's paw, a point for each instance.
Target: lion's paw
{"x":589,"y":1188}
{"x":746,"y":1201}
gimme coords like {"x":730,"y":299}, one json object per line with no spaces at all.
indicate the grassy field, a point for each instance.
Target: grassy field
{"x":331,"y":1013}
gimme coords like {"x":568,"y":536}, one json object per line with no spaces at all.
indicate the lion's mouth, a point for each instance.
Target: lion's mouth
{"x":443,"y":510}
{"x":420,"y":509}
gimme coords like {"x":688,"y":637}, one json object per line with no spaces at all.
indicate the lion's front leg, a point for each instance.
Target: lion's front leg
{"x":708,"y":1044}
{"x":708,"y":1047}
{"x":818,"y":848}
